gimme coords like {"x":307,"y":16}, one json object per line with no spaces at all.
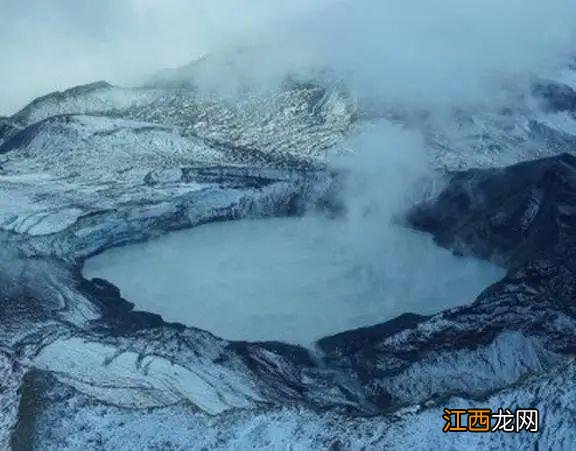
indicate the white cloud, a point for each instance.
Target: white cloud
{"x":54,"y":44}
{"x":420,"y":50}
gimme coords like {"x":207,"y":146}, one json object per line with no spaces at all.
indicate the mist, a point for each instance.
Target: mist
{"x":425,"y":53}
{"x":300,"y":279}
{"x":445,"y":52}
{"x":55,"y":44}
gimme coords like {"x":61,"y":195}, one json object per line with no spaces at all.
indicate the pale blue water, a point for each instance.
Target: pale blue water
{"x":290,"y":279}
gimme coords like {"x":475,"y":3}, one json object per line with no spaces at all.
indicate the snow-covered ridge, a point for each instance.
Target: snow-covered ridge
{"x":298,"y":123}
{"x":69,"y":420}
{"x":92,"y":98}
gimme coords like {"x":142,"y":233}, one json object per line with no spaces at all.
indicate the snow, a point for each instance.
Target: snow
{"x":125,"y":378}
{"x":503,"y":362}
{"x":94,"y":98}
{"x":415,"y":427}
{"x":42,"y":223}
{"x":10,"y":380}
{"x":567,"y":77}
{"x":104,"y":150}
{"x":564,"y":122}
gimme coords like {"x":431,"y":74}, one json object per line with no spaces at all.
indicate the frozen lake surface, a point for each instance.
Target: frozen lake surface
{"x":290,"y":279}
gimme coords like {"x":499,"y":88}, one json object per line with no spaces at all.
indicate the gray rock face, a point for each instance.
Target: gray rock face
{"x":100,"y":166}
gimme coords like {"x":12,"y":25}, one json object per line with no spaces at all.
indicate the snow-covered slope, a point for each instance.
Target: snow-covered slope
{"x":293,"y":125}
{"x":101,"y":166}
{"x":62,"y":418}
{"x":96,"y":97}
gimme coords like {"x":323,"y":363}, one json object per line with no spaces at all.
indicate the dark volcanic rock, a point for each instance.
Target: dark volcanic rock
{"x":362,"y":338}
{"x":7,"y":130}
{"x":119,"y":316}
{"x":556,"y":96}
{"x":510,"y":215}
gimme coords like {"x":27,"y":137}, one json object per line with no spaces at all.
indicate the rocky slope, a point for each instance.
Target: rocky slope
{"x":100,"y":166}
{"x":521,"y":216}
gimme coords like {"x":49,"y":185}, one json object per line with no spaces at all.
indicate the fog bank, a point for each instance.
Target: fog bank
{"x":432,"y":52}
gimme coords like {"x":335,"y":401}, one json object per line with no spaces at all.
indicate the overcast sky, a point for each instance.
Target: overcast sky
{"x":47,"y":45}
{"x":419,"y":49}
